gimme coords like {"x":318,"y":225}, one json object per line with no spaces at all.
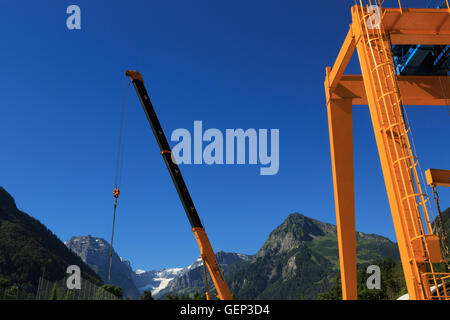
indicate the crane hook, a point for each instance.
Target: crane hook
{"x":116,"y":193}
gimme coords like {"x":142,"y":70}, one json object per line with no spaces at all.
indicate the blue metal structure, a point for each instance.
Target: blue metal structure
{"x":422,"y":59}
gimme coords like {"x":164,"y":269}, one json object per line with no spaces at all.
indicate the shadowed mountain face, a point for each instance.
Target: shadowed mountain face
{"x":95,"y":252}
{"x":28,"y":250}
{"x":299,"y":260}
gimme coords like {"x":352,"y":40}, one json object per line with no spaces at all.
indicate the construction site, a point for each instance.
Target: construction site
{"x":404,"y":61}
{"x":403,"y":54}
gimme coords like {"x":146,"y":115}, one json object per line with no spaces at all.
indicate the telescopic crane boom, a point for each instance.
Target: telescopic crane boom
{"x":206,"y":251}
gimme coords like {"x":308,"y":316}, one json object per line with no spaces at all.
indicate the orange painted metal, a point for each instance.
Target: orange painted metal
{"x":342,"y":60}
{"x":341,"y":142}
{"x":385,"y":94}
{"x":436,"y":177}
{"x":208,"y":256}
{"x":415,"y":90}
{"x":417,"y":26}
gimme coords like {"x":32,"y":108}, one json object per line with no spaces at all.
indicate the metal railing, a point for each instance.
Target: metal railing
{"x":57,"y":290}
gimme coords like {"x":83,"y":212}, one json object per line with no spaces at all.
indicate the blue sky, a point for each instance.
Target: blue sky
{"x":230,"y":64}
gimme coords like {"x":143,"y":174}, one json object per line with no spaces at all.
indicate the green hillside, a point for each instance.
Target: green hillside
{"x":28,"y":249}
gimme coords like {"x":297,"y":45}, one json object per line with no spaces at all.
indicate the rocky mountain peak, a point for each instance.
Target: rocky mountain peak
{"x":95,"y":252}
{"x":300,"y":259}
{"x":293,"y":232}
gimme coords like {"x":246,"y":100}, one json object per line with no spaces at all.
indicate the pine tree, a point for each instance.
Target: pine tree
{"x":54,"y":295}
{"x":147,"y":295}
{"x":115,"y":290}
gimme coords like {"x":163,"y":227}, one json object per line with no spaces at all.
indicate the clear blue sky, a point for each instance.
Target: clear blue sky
{"x":231,"y":64}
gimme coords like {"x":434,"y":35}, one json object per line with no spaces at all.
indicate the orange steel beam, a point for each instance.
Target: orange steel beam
{"x":342,"y":60}
{"x":436,"y":177}
{"x":415,"y":90}
{"x":405,"y":26}
{"x":417,"y":26}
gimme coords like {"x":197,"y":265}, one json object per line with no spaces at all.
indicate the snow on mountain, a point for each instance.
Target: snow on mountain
{"x":197,"y":263}
{"x":155,"y":280}
{"x":191,"y":279}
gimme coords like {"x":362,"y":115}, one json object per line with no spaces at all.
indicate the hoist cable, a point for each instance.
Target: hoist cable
{"x":120,"y":143}
{"x":119,"y":168}
{"x":116,"y":193}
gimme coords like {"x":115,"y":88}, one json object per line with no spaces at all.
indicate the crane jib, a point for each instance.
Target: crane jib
{"x":206,"y":251}
{"x":166,"y":152}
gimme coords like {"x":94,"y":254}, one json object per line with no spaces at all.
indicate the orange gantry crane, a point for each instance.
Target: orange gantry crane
{"x":372,"y":33}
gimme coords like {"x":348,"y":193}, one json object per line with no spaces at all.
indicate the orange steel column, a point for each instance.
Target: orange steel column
{"x":341,"y":146}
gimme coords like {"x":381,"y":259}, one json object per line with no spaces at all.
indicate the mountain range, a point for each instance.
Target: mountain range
{"x":298,"y":260}
{"x":95,"y":252}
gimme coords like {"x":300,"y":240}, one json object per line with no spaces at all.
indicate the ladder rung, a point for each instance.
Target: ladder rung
{"x":420,"y":236}
{"x":387,"y":63}
{"x":413,"y":158}
{"x":414,"y":195}
{"x":374,"y":39}
{"x":397,"y":124}
{"x":386,"y":94}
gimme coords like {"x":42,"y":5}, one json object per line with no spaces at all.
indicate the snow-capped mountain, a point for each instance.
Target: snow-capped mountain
{"x":180,"y":280}
{"x":155,"y":281}
{"x":95,"y":252}
{"x":191,"y":279}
